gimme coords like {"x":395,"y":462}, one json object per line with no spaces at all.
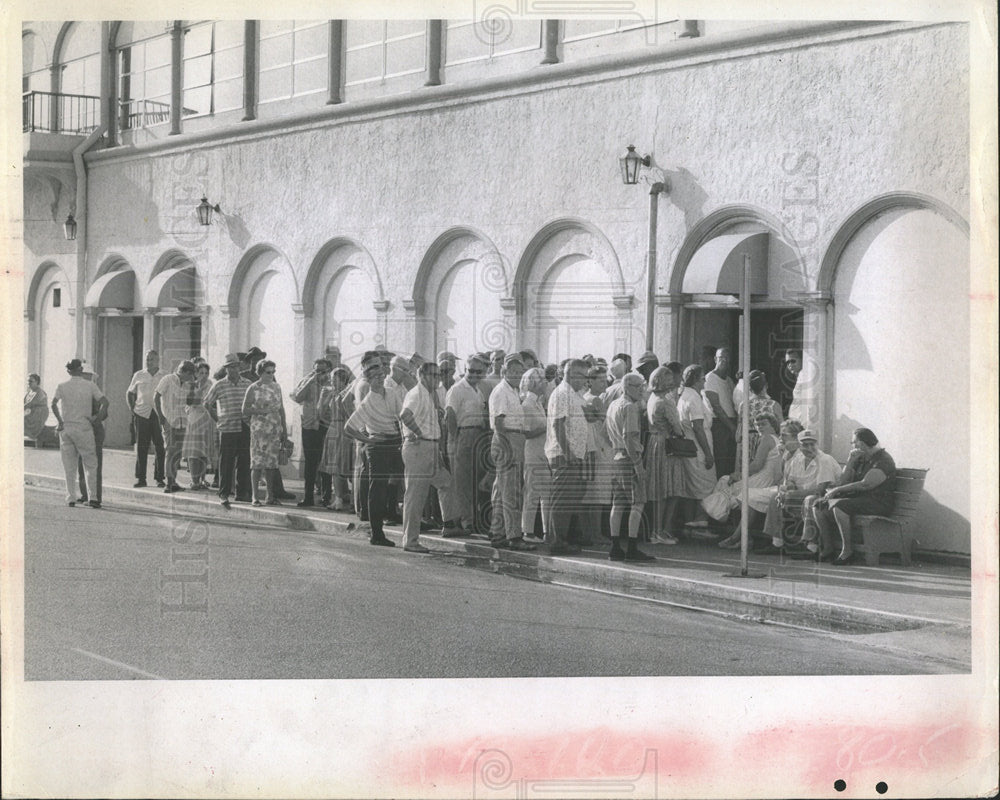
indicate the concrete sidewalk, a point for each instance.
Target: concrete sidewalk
{"x":925,"y":609}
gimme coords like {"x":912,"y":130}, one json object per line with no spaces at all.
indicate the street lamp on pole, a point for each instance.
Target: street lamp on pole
{"x":630,"y":164}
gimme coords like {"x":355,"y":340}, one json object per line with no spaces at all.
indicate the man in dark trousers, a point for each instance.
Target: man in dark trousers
{"x":224,"y":403}
{"x":147,"y":426}
{"x":306,"y":394}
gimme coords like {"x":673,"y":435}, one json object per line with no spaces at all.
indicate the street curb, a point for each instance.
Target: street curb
{"x":636,"y":582}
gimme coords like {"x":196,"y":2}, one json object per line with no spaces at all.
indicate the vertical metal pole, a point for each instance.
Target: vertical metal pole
{"x":745,"y":418}
{"x":654,"y":195}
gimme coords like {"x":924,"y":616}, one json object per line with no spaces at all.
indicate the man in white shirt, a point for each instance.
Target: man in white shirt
{"x":493,"y":377}
{"x":169,"y":400}
{"x":147,"y":425}
{"x":628,"y":487}
{"x":565,"y":448}
{"x":466,"y":420}
{"x":808,"y":472}
{"x":74,"y":410}
{"x":375,"y":423}
{"x":507,"y":451}
{"x":423,"y":465}
{"x":719,"y":392}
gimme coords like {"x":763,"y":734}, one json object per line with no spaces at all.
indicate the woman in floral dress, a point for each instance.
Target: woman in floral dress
{"x":199,"y":436}
{"x":263,"y":405}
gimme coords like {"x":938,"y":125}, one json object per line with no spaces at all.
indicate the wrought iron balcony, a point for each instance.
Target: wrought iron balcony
{"x":48,"y":112}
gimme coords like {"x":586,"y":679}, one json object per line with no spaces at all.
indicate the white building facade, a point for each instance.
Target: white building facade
{"x":429,"y":185}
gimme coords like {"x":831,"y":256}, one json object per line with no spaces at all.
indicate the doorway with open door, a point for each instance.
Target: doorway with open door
{"x":773,"y":331}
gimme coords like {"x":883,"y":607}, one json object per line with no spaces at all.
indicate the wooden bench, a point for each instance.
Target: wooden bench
{"x":47,"y":438}
{"x":894,"y":533}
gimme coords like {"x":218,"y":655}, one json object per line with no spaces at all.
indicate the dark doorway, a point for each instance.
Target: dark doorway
{"x":772,"y":332}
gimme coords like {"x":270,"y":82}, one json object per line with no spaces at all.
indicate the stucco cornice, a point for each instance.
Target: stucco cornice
{"x":679,"y":54}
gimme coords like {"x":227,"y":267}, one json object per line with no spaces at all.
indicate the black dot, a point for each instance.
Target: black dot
{"x":881,"y":787}
{"x":840,"y":784}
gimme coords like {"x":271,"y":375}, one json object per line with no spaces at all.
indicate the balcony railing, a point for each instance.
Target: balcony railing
{"x":142,"y":113}
{"x":60,"y":113}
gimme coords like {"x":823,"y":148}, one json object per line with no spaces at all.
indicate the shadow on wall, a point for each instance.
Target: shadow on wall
{"x":938,"y":527}
{"x":237,"y":230}
{"x":852,"y":352}
{"x":687,"y":195}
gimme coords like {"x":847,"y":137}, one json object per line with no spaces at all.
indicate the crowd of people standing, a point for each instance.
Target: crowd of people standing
{"x":524,"y":454}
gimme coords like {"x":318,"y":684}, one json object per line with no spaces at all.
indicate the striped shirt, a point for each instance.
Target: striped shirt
{"x":229,"y":396}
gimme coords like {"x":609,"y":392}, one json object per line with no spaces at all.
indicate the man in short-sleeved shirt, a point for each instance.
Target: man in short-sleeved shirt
{"x":565,"y":448}
{"x":628,"y":489}
{"x":147,"y":425}
{"x":422,"y":461}
{"x":507,"y":449}
{"x":466,"y":420}
{"x":719,"y":392}
{"x":169,"y":401}
{"x":73,"y":408}
{"x":224,"y":403}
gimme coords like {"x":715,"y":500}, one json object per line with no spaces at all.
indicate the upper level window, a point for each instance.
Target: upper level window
{"x":35,"y":73}
{"x":294,"y":59}
{"x":143,"y":74}
{"x":380,"y":49}
{"x":468,"y":40}
{"x":213,"y":67}
{"x":578,"y":29}
{"x":81,"y":60}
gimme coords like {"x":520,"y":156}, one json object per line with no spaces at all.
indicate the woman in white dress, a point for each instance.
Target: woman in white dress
{"x":696,"y":422}
{"x":764,"y":472}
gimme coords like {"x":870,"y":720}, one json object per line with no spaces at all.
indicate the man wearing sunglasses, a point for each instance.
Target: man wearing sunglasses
{"x":466,"y":419}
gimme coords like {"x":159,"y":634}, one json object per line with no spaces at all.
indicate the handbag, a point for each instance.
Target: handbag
{"x":285,"y":451}
{"x":681,"y":447}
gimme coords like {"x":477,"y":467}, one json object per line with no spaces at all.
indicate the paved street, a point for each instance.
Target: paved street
{"x":104,"y":601}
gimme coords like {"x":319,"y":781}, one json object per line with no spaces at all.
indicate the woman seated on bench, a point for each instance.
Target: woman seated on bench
{"x":865,"y":487}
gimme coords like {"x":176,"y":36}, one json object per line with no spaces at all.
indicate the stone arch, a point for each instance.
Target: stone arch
{"x":350,"y":248}
{"x":61,"y":37}
{"x":721,"y":220}
{"x":461,"y":266}
{"x":244,"y":266}
{"x":111,"y":263}
{"x":342,"y":276}
{"x":41,"y":274}
{"x":463,"y":241}
{"x":560,"y":317}
{"x":568,"y":235}
{"x":865,"y":213}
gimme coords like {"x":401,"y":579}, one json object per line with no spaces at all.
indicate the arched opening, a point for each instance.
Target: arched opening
{"x":457,"y":296}
{"x":900,"y":353}
{"x":571,"y":296}
{"x":339,"y":300}
{"x":52,"y":335}
{"x":707,"y":276}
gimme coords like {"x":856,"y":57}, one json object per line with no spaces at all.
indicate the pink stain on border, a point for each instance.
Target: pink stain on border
{"x":592,"y":754}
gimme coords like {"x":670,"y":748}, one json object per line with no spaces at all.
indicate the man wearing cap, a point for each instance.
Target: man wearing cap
{"x":224,"y":403}
{"x":493,"y":377}
{"x":446,"y":369}
{"x":628,"y":486}
{"x":466,"y":420}
{"x":73,"y":406}
{"x":507,"y":452}
{"x":808,"y":472}
{"x":375,"y":423}
{"x":139,"y":396}
{"x":719,"y":392}
{"x":565,"y":448}
{"x":422,"y":462}
{"x":306,"y":394}
{"x":170,"y":400}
